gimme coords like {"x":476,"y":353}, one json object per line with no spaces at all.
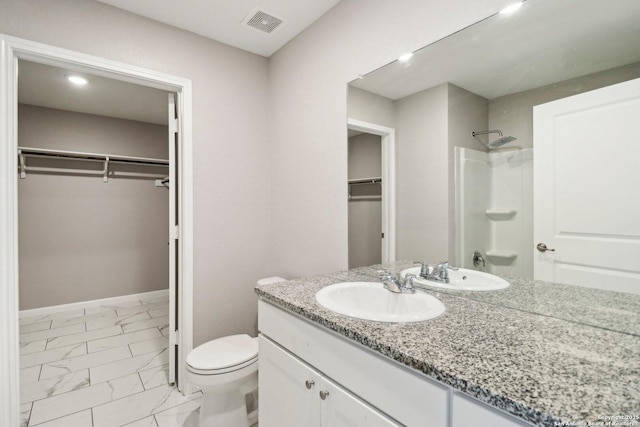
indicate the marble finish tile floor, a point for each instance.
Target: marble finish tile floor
{"x":101,"y":367}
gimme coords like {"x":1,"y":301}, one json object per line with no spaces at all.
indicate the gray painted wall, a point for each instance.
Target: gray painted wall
{"x":467,"y":112}
{"x":513,"y":114}
{"x":422,"y":175}
{"x":231,"y":171}
{"x":254,"y":213}
{"x":308,"y":88}
{"x":365,"y":215}
{"x":80,"y":238}
{"x":371,"y":108}
{"x":429,"y":124}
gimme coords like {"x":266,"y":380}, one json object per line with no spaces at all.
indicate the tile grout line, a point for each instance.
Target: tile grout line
{"x":53,"y":419}
{"x":122,"y":332}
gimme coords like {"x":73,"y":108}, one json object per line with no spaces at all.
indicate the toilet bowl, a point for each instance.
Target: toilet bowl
{"x":226,"y":369}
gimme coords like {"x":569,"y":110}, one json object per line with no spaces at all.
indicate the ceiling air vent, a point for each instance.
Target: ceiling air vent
{"x":263,"y":21}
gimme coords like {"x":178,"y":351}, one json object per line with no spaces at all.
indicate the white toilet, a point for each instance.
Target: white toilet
{"x":226,"y":369}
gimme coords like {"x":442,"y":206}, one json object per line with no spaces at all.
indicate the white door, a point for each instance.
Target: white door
{"x":586,"y":189}
{"x":173,"y":237}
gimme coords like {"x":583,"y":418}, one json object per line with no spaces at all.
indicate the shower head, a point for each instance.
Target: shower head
{"x":496,"y":143}
{"x":501,"y":141}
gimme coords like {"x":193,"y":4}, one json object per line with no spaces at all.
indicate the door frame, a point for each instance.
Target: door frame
{"x":388,"y":146}
{"x":12,"y":49}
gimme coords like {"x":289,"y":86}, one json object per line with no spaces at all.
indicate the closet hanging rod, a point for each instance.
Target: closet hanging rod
{"x":371,"y":198}
{"x":362,"y":181}
{"x":76,"y":155}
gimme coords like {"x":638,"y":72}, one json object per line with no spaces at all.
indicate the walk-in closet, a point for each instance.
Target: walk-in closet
{"x":94,"y":246}
{"x":365,"y":199}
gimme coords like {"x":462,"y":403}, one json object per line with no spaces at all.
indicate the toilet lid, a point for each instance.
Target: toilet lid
{"x":223,"y":352}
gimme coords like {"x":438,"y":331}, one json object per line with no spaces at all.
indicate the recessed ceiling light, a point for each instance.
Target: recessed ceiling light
{"x":511,"y":8}
{"x":76,"y":80}
{"x":405,"y":56}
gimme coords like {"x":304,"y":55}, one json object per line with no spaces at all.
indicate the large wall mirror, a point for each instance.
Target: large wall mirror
{"x":517,"y":131}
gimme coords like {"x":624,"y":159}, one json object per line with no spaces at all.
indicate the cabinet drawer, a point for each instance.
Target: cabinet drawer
{"x":403,"y":394}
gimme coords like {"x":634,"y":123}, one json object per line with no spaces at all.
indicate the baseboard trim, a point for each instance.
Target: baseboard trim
{"x":93,"y":303}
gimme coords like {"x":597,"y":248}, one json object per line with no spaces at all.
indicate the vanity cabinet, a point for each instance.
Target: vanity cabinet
{"x":469,"y":412}
{"x":365,"y":388}
{"x":299,"y":360}
{"x":293,"y":394}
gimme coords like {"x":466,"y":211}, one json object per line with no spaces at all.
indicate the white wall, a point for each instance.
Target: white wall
{"x":82,"y":239}
{"x":231,"y":176}
{"x":512,"y":188}
{"x":307,"y":115}
{"x":473,"y":198}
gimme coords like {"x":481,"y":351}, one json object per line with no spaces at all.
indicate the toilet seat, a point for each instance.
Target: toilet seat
{"x":226,"y":370}
{"x":223,"y":355}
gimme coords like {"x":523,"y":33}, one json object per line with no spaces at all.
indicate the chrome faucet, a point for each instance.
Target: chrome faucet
{"x":397,"y":285}
{"x":436,"y":273}
{"x":425,"y":269}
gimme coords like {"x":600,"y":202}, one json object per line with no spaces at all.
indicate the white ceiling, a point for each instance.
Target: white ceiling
{"x":544,"y":42}
{"x":222,"y":20}
{"x":47,"y":86}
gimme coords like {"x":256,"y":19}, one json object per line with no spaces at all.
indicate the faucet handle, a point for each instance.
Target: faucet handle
{"x":446,"y":265}
{"x":425,"y":269}
{"x":408,"y":286}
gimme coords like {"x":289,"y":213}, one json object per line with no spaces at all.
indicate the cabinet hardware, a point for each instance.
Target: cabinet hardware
{"x":324,"y":394}
{"x":309,"y":384}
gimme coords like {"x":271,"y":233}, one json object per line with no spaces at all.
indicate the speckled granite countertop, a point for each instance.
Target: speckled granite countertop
{"x":605,"y":309}
{"x":545,"y":370}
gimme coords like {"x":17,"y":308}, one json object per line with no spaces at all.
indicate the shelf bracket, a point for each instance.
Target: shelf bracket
{"x":105,"y":172}
{"x":23,"y":166}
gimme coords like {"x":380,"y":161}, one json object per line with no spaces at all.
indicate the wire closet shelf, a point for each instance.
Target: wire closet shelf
{"x":105,"y":159}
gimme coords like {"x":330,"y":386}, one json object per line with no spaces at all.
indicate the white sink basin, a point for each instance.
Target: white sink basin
{"x":462,"y":280}
{"x":370,"y":301}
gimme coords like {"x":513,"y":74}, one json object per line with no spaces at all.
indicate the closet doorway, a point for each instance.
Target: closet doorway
{"x":80,"y":242}
{"x":371,"y":193}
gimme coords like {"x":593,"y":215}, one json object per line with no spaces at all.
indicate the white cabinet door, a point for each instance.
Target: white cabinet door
{"x":288,"y":389}
{"x":586,"y":175}
{"x":467,"y":412}
{"x":342,"y":409}
{"x":293,"y":394}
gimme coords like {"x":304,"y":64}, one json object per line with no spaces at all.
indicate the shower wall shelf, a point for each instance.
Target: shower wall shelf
{"x":105,"y":159}
{"x":502,"y":255}
{"x":501,"y":214}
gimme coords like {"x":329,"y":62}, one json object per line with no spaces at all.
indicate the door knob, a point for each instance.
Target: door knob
{"x":309,"y":384}
{"x":324,"y":394}
{"x":543,"y":248}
